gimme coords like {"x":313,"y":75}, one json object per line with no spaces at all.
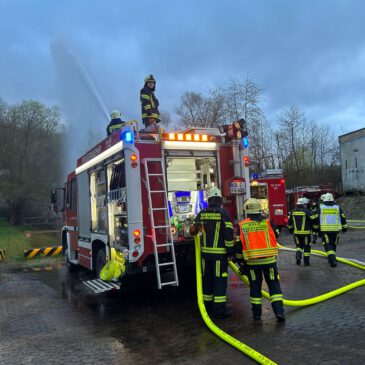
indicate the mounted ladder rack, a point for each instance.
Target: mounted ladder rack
{"x":156,"y":184}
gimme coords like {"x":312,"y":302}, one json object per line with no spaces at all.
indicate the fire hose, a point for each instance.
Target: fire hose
{"x":261,"y":359}
{"x":255,"y":355}
{"x":356,"y":221}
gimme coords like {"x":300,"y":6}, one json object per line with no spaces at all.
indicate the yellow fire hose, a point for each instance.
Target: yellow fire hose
{"x":356,"y":221}
{"x":314,"y":300}
{"x":261,"y":359}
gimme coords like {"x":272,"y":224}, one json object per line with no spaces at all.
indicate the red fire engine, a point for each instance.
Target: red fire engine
{"x":269,"y":188}
{"x":313,"y":193}
{"x":138,"y":193}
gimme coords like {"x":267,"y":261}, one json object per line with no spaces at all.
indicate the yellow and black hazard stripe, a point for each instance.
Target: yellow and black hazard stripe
{"x":42,"y":252}
{"x":2,"y":254}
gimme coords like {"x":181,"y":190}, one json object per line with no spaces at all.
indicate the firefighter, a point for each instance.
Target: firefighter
{"x":301,"y":224}
{"x":256,"y":244}
{"x":149,"y":103}
{"x":331,"y":220}
{"x":115,"y":124}
{"x":217,"y":247}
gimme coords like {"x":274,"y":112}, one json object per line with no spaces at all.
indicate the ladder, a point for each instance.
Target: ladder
{"x":151,"y":165}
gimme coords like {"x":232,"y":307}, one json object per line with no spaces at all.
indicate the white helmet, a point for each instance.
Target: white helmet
{"x":327,"y":197}
{"x":115,"y":114}
{"x":214,"y":192}
{"x":252,"y":206}
{"x":305,"y":200}
{"x":301,"y":201}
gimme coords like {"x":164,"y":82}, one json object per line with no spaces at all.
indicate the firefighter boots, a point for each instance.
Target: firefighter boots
{"x":298,"y":257}
{"x":306,"y":261}
{"x":280,"y":318}
{"x":221,"y":315}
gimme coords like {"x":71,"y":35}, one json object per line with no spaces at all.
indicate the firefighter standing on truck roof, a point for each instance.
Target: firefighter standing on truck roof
{"x":116,"y":123}
{"x":256,"y":242}
{"x":331,"y":220}
{"x":149,"y":103}
{"x":217,"y":247}
{"x":301,"y":223}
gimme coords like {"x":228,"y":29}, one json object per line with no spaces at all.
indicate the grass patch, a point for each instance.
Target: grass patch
{"x":15,"y":239}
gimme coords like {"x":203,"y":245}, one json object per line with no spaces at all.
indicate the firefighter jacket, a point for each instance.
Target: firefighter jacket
{"x":217,"y":233}
{"x":114,"y":125}
{"x":301,"y":221}
{"x":256,"y":239}
{"x":149,"y":105}
{"x":331,"y":218}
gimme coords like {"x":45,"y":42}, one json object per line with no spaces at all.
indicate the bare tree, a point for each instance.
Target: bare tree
{"x":30,"y":155}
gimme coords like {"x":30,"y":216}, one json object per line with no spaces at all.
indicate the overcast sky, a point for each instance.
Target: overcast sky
{"x":91,"y":56}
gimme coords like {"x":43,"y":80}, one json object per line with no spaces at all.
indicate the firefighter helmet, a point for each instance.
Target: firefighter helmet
{"x":149,"y":78}
{"x":252,"y":206}
{"x":306,"y":200}
{"x":115,"y":114}
{"x":328,"y":197}
{"x":301,"y":201}
{"x":214,"y":192}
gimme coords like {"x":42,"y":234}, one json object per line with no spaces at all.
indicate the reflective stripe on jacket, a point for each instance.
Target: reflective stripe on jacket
{"x":300,"y":221}
{"x":149,"y":105}
{"x":330,"y":219}
{"x":258,"y":239}
{"x":217,"y":233}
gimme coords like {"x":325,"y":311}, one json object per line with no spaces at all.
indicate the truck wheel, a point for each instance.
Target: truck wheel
{"x":100,"y":262}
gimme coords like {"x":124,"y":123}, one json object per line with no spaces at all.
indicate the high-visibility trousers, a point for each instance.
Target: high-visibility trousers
{"x":303,"y":244}
{"x":330,"y":241}
{"x":255,"y":274}
{"x":215,"y":274}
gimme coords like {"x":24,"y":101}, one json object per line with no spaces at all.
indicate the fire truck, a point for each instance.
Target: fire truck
{"x":269,"y":188}
{"x":312,"y":192}
{"x":138,"y":192}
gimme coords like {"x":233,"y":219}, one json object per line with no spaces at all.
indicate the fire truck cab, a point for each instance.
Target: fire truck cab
{"x":139,"y":192}
{"x":269,"y":188}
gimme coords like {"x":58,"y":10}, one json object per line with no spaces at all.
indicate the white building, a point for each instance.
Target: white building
{"x":352,"y":147}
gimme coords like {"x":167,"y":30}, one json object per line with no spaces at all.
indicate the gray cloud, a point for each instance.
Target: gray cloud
{"x":306,"y":53}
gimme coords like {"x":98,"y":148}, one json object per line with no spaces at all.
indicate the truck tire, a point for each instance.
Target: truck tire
{"x":100,"y":262}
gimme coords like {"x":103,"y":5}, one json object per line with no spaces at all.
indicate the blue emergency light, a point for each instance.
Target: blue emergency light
{"x":127,"y":136}
{"x":245,"y":142}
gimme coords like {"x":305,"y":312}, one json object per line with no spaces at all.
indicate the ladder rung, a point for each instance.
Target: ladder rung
{"x":161,"y":226}
{"x":155,"y":174}
{"x":169,"y":283}
{"x":157,"y":191}
{"x":167,"y":263}
{"x":159,"y":208}
{"x":163,"y":244}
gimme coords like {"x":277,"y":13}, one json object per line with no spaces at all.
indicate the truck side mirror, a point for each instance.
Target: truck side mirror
{"x":54,"y":199}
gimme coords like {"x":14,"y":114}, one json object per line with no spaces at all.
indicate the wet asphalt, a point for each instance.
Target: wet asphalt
{"x":47,"y":316}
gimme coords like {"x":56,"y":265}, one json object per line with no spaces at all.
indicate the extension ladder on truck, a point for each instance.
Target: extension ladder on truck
{"x":156,"y":187}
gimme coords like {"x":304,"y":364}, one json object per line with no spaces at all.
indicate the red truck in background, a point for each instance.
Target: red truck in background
{"x":269,"y":188}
